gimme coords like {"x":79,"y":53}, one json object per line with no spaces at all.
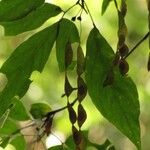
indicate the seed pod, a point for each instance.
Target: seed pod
{"x":109,"y":79}
{"x":116,"y":59}
{"x":82,"y":116}
{"x":123,"y":8}
{"x":68,"y":55}
{"x":77,"y":137}
{"x":73,"y":18}
{"x":48,"y":125}
{"x":82,"y":89}
{"x":123,"y":50}
{"x":123,"y":66}
{"x":68,"y":87}
{"x":80,"y":61}
{"x":72,"y":114}
{"x":148,"y":64}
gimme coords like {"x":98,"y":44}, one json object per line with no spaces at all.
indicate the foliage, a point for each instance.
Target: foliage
{"x":102,"y":73}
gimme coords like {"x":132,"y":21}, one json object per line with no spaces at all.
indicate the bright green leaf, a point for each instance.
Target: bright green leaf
{"x":105,"y":5}
{"x":19,"y":143}
{"x":67,"y":33}
{"x":31,"y":55}
{"x":38,"y":110}
{"x":9,"y":127}
{"x":16,"y":9}
{"x":18,"y":111}
{"x":31,"y":21}
{"x":117,"y":102}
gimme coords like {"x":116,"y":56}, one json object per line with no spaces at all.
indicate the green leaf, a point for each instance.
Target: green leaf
{"x":117,"y":102}
{"x":16,"y":9}
{"x":105,"y":5}
{"x":9,"y":127}
{"x":38,"y":110}
{"x":31,"y":55}
{"x":67,"y":33}
{"x":31,"y":21}
{"x":19,"y":143}
{"x":18,"y":111}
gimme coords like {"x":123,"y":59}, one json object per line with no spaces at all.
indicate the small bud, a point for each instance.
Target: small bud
{"x":73,"y":18}
{"x":79,"y":18}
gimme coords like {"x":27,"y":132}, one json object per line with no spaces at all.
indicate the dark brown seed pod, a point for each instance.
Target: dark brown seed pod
{"x":148,"y":64}
{"x":116,"y":59}
{"x":82,"y":89}
{"x":48,"y":125}
{"x":68,"y":87}
{"x":73,"y":18}
{"x":80,"y":61}
{"x":109,"y":79}
{"x":72,"y":114}
{"x":123,"y":66}
{"x":68,"y":55}
{"x":123,"y":8}
{"x":123,"y":50}
{"x":77,"y":136}
{"x":82,"y":116}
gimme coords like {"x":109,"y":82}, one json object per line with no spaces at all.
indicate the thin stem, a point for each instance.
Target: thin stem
{"x":116,"y":5}
{"x":89,"y":14}
{"x":70,"y":8}
{"x":141,"y":41}
{"x":61,"y":109}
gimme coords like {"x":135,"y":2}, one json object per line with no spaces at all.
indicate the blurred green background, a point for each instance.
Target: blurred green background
{"x":49,"y":85}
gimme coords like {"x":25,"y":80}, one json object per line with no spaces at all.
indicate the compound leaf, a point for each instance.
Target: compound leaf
{"x":117,"y":102}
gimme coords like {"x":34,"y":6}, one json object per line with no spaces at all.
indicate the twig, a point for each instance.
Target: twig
{"x":116,"y":5}
{"x":60,"y":109}
{"x":89,"y":14}
{"x":133,"y":49}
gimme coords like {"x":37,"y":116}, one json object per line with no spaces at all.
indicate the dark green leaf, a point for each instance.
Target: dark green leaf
{"x":67,"y":33}
{"x":31,"y":55}
{"x":105,"y":5}
{"x":19,"y":143}
{"x":16,"y":9}
{"x":31,"y":21}
{"x":117,"y":102}
{"x":38,"y":110}
{"x":18,"y":111}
